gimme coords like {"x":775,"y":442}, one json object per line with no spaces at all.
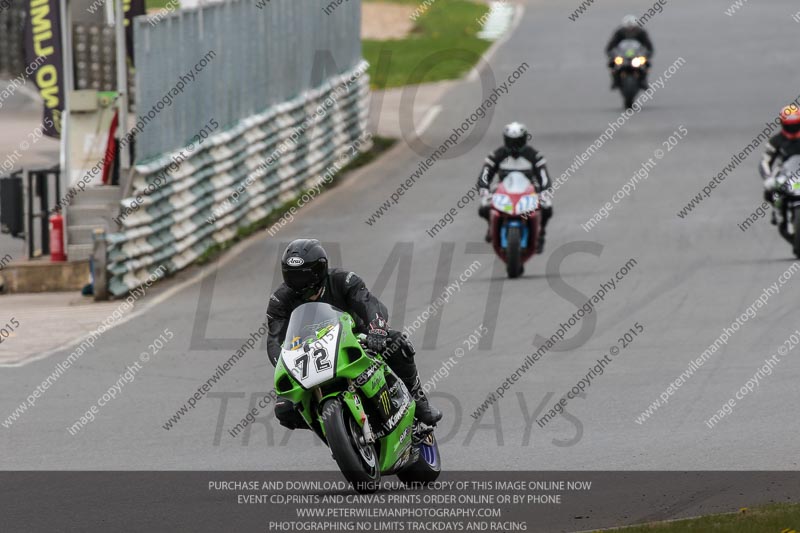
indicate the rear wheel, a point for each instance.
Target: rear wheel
{"x":629,"y":87}
{"x":428,"y":465}
{"x":514,"y":253}
{"x":796,"y":236}
{"x":358,"y":461}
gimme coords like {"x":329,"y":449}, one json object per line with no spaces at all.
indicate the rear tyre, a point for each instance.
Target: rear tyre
{"x":358,"y":462}
{"x":796,"y":236}
{"x":514,"y":253}
{"x":630,"y":87}
{"x":427,"y":467}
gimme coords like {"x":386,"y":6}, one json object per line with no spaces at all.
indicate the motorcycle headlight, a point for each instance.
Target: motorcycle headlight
{"x":638,"y":61}
{"x":618,"y":60}
{"x":502,"y":202}
{"x":527,"y":204}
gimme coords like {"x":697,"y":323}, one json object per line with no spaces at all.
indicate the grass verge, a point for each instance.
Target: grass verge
{"x":776,"y":518}
{"x":155,"y":4}
{"x":443,"y":46}
{"x":379,"y":145}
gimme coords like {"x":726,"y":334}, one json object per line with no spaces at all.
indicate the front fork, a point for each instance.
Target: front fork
{"x":786,"y":215}
{"x":356,"y":407}
{"x":510,"y":223}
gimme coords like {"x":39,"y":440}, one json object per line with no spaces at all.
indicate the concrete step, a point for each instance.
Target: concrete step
{"x":79,"y":252}
{"x":109,"y":195}
{"x":82,"y":234}
{"x":44,"y":276}
{"x":89,"y":215}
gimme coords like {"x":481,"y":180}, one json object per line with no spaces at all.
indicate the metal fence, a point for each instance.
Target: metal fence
{"x":262,"y":57}
{"x":12,"y":52}
{"x":288,"y":88}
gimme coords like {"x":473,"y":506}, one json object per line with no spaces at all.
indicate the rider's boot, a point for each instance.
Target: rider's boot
{"x":547,"y":213}
{"x":425,"y":412}
{"x":288,"y":416}
{"x":400,"y":357}
{"x":483,"y":212}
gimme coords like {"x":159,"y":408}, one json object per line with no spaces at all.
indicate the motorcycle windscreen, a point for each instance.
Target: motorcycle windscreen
{"x":519,"y":184}
{"x":630,"y":48}
{"x":312,"y":343}
{"x":516,"y":183}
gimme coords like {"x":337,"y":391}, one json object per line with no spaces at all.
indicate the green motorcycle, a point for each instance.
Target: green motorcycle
{"x":353,"y":401}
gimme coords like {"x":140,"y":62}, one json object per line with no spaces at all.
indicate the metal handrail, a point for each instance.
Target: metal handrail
{"x":39,"y":178}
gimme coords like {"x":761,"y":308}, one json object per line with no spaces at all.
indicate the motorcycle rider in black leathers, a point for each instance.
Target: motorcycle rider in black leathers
{"x":516,"y":154}
{"x":630,"y":29}
{"x":307,"y":278}
{"x":780,"y":148}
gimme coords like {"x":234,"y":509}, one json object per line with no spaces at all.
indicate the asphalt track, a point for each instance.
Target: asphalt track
{"x":692,"y":277}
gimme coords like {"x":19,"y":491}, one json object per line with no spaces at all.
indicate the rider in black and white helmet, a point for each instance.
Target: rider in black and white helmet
{"x":517,"y":154}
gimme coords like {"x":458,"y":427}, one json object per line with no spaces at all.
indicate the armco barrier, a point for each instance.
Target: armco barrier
{"x":171,"y":227}
{"x":263,"y":53}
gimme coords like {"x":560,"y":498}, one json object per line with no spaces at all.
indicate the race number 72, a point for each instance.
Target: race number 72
{"x":320,"y":355}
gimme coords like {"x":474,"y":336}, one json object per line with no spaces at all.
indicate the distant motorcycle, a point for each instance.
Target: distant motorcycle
{"x":515,"y":221}
{"x":787,"y":202}
{"x":629,"y":67}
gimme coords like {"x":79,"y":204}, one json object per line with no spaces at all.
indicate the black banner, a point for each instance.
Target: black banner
{"x":324,"y":502}
{"x":132,"y":8}
{"x":43,"y":54}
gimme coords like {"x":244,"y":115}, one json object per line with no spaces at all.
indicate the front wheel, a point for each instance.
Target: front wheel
{"x":796,"y":236}
{"x":513,"y":252}
{"x":427,"y":467}
{"x":629,"y":87}
{"x":358,"y":461}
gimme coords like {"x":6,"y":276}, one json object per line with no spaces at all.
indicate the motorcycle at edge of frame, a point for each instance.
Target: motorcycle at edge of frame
{"x":353,"y":401}
{"x":787,"y":202}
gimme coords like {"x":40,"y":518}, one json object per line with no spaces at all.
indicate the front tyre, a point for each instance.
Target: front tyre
{"x":427,"y":467}
{"x":514,"y":252}
{"x":796,"y":236}
{"x":357,"y":461}
{"x":629,"y":88}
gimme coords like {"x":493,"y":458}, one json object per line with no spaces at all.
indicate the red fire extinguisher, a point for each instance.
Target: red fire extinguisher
{"x":57,"y":238}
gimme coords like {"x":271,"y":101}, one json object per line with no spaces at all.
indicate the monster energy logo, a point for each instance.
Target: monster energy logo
{"x":393,"y":421}
{"x":385,"y":403}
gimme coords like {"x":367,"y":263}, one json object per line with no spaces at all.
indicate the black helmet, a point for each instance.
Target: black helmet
{"x":515,"y":137}
{"x":305,"y":267}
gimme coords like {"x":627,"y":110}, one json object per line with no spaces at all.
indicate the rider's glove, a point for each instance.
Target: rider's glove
{"x":486,"y":197}
{"x":377,"y":336}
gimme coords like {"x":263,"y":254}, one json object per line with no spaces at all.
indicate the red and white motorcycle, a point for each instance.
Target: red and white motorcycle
{"x":515,"y":221}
